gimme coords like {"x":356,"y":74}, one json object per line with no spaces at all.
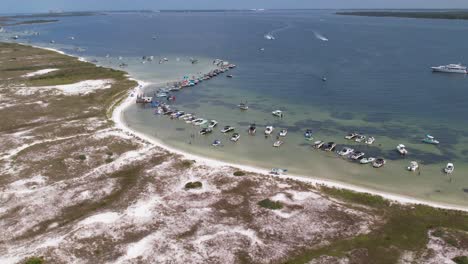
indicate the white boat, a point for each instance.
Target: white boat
{"x":370,"y":140}
{"x":430,"y":140}
{"x":190,"y":119}
{"x":378,"y":163}
{"x":197,"y":120}
{"x":252,"y":129}
{"x":357,"y":155}
{"x":308,"y":134}
{"x":283,"y":132}
{"x":330,"y":146}
{"x":213,"y":123}
{"x":360,"y":138}
{"x":451,"y":68}
{"x":277,"y":113}
{"x":277,"y":171}
{"x":413,"y":166}
{"x":269,"y":37}
{"x":402,"y":149}
{"x":278,"y":143}
{"x":216,"y":143}
{"x":345,"y":151}
{"x":269,"y":130}
{"x":243,"y":106}
{"x":351,"y":136}
{"x":235,"y":137}
{"x":318,"y":144}
{"x":449,"y":168}
{"x":227,"y":129}
{"x":367,"y":160}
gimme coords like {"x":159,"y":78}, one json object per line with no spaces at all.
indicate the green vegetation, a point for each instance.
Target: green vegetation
{"x":82,"y":157}
{"x":460,"y":260}
{"x":426,"y":14}
{"x":239,"y":173}
{"x":193,"y":185}
{"x":184,"y":164}
{"x":35,"y":260}
{"x":269,"y":204}
{"x":405,"y":228}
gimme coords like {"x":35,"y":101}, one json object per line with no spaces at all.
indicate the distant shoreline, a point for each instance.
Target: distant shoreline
{"x":452,"y":15}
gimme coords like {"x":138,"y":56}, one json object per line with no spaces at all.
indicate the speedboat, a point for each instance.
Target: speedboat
{"x":227,"y":129}
{"x":367,"y":160}
{"x":449,"y":168}
{"x":451,"y":68}
{"x":190,"y":119}
{"x":252,"y":129}
{"x":277,"y":113}
{"x":269,"y":130}
{"x":430,"y":140}
{"x":345,"y":151}
{"x":213,"y":123}
{"x":378,"y":163}
{"x":235,"y":137}
{"x":278,"y":143}
{"x":199,"y":121}
{"x":216,"y":143}
{"x":318,"y":144}
{"x":370,"y":140}
{"x":402,"y":149}
{"x":205,"y":131}
{"x":243,"y":106}
{"x":229,"y":76}
{"x":283,"y":132}
{"x":413,"y":166}
{"x":276,"y":171}
{"x":269,"y":37}
{"x":351,"y":136}
{"x":357,"y":155}
{"x":308,"y":134}
{"x":330,"y":146}
{"x":360,"y":138}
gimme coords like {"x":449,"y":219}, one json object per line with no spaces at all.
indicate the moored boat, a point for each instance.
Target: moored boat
{"x":277,"y":113}
{"x":367,"y":160}
{"x":370,"y":140}
{"x":345,"y":151}
{"x":449,"y":168}
{"x":357,"y":155}
{"x":351,"y":136}
{"x":318,"y":144}
{"x":205,"y":131}
{"x":430,"y":140}
{"x":283,"y":132}
{"x":402,"y":149}
{"x":227,"y":129}
{"x":269,"y":130}
{"x":308,"y":134}
{"x":413,"y":166}
{"x":330,"y":146}
{"x":378,"y":163}
{"x":277,"y":171}
{"x":278,"y":143}
{"x":252,"y":129}
{"x":216,"y":143}
{"x":235,"y":137}
{"x":213,"y":123}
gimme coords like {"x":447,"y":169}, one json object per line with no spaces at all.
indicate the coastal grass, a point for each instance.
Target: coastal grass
{"x":193,"y":185}
{"x":404,"y":228}
{"x":34,"y":260}
{"x":269,"y":204}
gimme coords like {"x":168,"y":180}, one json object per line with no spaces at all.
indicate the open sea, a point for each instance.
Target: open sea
{"x":379,"y":83}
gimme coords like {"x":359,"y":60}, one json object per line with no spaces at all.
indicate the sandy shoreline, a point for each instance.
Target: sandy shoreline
{"x":117,"y":117}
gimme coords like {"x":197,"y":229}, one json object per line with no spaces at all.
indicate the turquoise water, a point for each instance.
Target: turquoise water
{"x":378,"y":83}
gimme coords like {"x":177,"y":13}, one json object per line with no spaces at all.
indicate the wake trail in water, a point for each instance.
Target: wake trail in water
{"x":320,"y":36}
{"x":272,"y":34}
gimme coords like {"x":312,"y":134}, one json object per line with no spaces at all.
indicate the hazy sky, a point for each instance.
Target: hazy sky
{"x":15,"y":6}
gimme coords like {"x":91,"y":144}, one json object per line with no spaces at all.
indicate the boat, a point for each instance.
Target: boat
{"x":269,"y":37}
{"x":345,"y":151}
{"x":360,"y":138}
{"x":283,"y":132}
{"x":277,"y":171}
{"x":277,"y":113}
{"x":402,"y":149}
{"x":367,"y":160}
{"x":378,"y":163}
{"x":229,"y":76}
{"x":190,"y":120}
{"x":318,"y":144}
{"x":308,"y":134}
{"x":449,"y":168}
{"x":243,"y":106}
{"x":357,"y":155}
{"x":330,"y":146}
{"x":451,"y":68}
{"x":324,"y":79}
{"x":430,"y":140}
{"x":351,"y":136}
{"x":199,"y":121}
{"x":205,"y":131}
{"x":252,"y":129}
{"x":227,"y":129}
{"x":213,"y":123}
{"x":413,"y":166}
{"x":235,"y":137}
{"x":370,"y":140}
{"x":269,"y":130}
{"x":278,"y":143}
{"x":216,"y":143}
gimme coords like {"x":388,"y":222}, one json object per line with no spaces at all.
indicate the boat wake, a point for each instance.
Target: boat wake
{"x":271,"y":35}
{"x":320,"y":36}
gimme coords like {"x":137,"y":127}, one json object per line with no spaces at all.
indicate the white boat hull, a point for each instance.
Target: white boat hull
{"x":437,"y":69}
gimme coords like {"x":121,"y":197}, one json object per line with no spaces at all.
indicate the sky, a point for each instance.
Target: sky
{"x":29,"y":6}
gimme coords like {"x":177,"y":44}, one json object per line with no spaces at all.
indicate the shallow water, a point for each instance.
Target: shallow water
{"x":378,"y":83}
